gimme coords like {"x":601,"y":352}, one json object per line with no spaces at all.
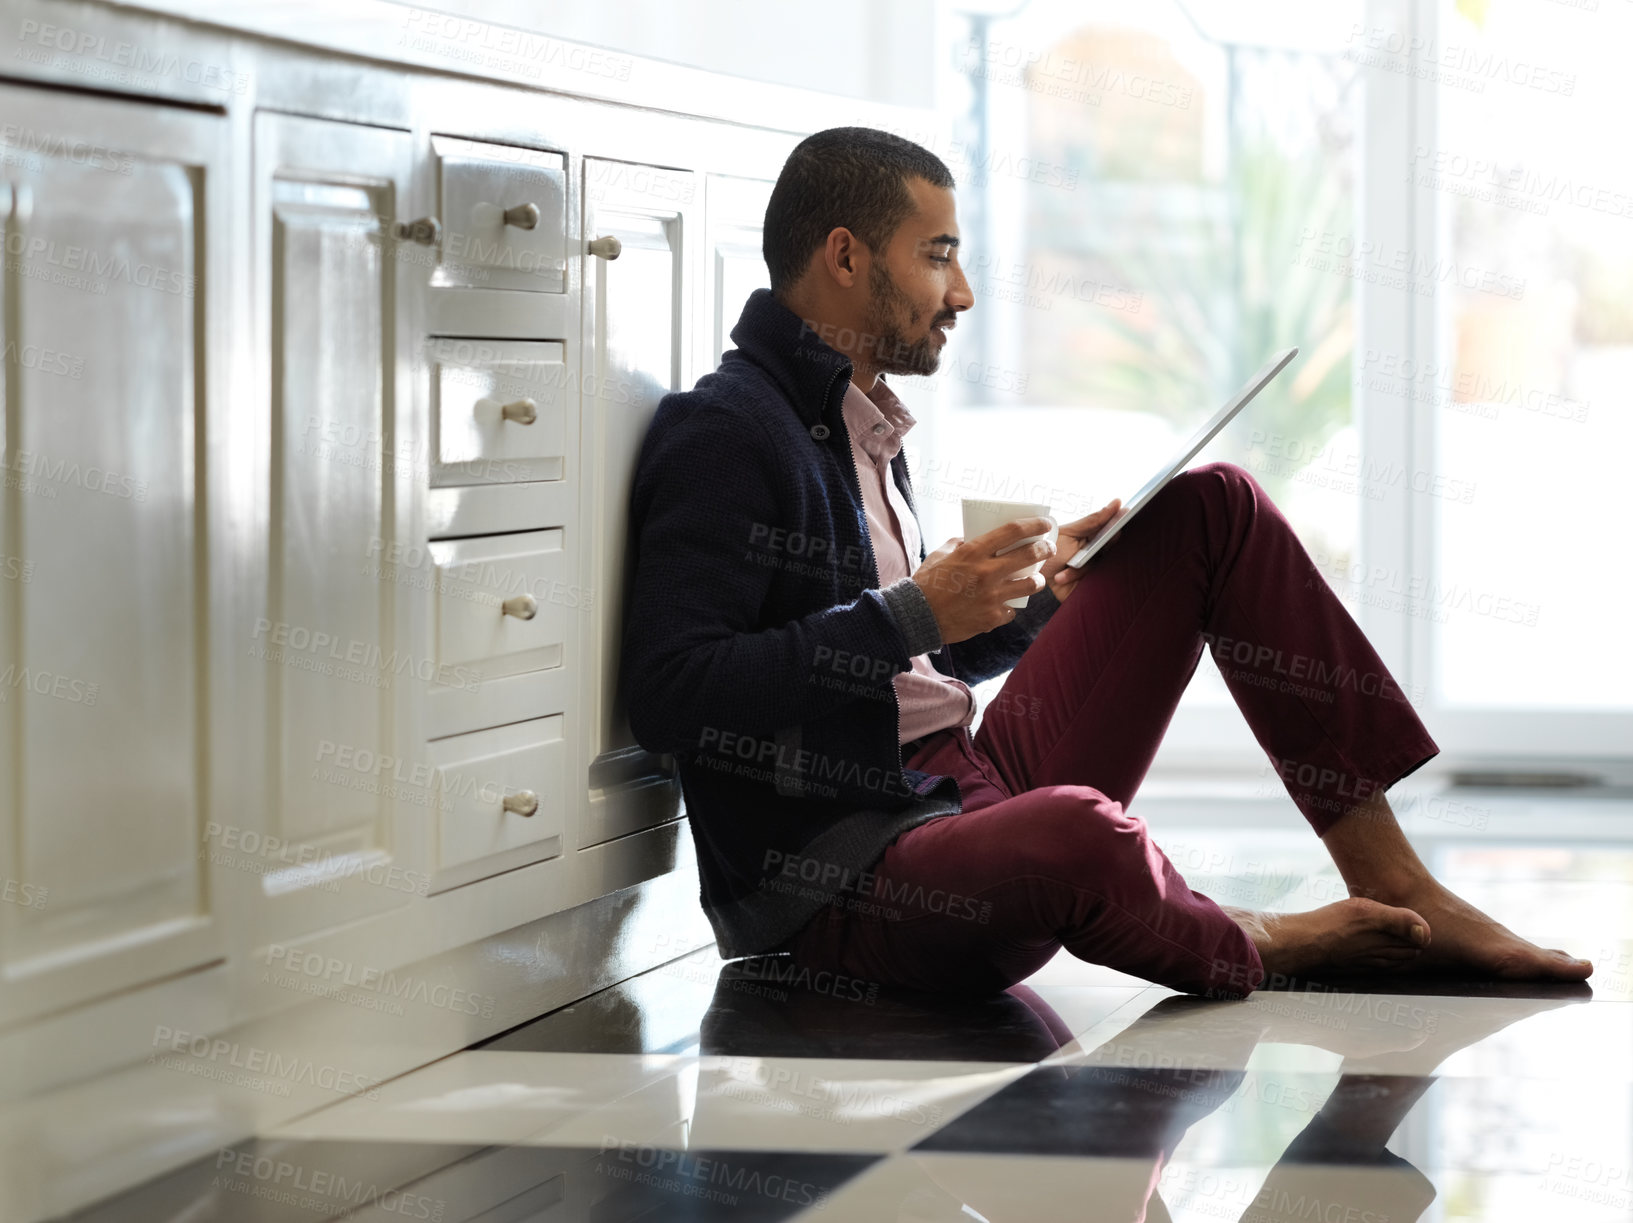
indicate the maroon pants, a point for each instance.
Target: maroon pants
{"x":1044,"y":853}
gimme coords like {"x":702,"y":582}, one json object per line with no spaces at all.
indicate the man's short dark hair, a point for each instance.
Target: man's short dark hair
{"x":854,"y":177}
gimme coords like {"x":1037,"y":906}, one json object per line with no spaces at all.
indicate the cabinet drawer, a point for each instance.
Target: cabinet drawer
{"x":505,"y":604}
{"x":501,"y":798}
{"x":500,"y":411}
{"x":504,"y":216}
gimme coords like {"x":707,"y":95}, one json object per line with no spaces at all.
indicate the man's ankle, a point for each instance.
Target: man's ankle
{"x":1393,"y":885}
{"x":1374,"y":857}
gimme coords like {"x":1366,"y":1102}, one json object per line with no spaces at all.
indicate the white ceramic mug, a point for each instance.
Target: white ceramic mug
{"x":982,"y":515}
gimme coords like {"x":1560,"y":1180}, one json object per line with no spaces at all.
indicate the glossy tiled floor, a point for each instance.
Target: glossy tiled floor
{"x":702,"y":1091}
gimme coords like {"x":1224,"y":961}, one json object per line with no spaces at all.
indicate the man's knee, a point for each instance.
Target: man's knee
{"x":1214,"y":495}
{"x":1234,"y":479}
{"x":1076,"y":831}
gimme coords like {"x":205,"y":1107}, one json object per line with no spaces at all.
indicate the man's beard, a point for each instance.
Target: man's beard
{"x":892,"y":351}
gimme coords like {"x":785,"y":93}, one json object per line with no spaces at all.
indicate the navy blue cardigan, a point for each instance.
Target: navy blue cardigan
{"x":758,"y":647}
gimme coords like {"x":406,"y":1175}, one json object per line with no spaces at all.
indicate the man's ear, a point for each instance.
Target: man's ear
{"x":842,"y":256}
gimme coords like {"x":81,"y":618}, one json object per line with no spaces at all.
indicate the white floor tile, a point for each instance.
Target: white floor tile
{"x":492,"y":1097}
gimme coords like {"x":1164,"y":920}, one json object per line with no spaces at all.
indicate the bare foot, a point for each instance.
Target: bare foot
{"x":1349,"y":935}
{"x":1467,"y":941}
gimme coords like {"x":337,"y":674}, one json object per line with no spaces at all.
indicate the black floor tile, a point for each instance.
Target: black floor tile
{"x":765,"y":1008}
{"x":1101,"y":1111}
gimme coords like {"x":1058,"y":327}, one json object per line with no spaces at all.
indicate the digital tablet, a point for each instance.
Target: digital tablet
{"x":1189,"y":451}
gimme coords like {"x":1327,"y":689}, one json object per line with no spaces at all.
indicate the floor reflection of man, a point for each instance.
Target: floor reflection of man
{"x":1128,"y":1102}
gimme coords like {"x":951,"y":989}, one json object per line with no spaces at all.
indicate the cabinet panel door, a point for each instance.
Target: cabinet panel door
{"x":637,"y":348}
{"x":343,"y":670}
{"x":734,"y":263}
{"x":104,"y":634}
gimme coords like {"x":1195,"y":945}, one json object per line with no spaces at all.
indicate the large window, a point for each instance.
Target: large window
{"x":1156,"y":197}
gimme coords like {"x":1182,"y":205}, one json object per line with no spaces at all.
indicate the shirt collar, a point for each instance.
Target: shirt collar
{"x":877,"y":419}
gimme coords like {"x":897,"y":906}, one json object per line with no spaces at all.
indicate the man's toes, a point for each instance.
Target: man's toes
{"x":1405,"y":926}
{"x":1572,"y":968}
{"x":1529,"y":963}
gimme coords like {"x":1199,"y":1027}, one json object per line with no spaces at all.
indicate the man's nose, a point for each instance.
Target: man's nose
{"x":959,"y":296}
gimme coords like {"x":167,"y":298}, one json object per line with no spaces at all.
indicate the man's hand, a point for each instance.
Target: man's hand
{"x":967,"y":585}
{"x":1060,"y":577}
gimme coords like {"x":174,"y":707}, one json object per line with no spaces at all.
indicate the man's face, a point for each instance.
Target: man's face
{"x":915,"y":287}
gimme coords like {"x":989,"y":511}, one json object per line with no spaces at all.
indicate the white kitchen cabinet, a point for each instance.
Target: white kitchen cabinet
{"x":341,"y":664}
{"x":106,"y":684}
{"x":324,"y":355}
{"x":638,"y":223}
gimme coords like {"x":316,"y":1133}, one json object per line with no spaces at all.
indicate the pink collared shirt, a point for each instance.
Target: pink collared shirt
{"x":877,"y":422}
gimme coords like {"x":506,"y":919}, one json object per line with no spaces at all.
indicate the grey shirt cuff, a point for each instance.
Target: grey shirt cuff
{"x":910,"y":608}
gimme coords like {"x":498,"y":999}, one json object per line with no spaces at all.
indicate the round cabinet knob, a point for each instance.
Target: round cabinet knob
{"x":427,"y":231}
{"x":523,"y":412}
{"x":606,"y":248}
{"x":523,"y":802}
{"x":523,"y":607}
{"x":523,"y":216}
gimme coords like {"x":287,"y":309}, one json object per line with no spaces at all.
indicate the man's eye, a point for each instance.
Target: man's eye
{"x":947,"y":258}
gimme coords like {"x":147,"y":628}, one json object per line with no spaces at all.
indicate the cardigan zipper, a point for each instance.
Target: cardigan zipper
{"x":913,"y":504}
{"x":912,"y":498}
{"x":856,"y":475}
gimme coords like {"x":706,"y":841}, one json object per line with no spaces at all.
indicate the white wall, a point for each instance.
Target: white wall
{"x":877,"y":50}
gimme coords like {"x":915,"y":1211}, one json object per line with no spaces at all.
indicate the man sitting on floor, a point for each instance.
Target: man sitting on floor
{"x":789,"y":639}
